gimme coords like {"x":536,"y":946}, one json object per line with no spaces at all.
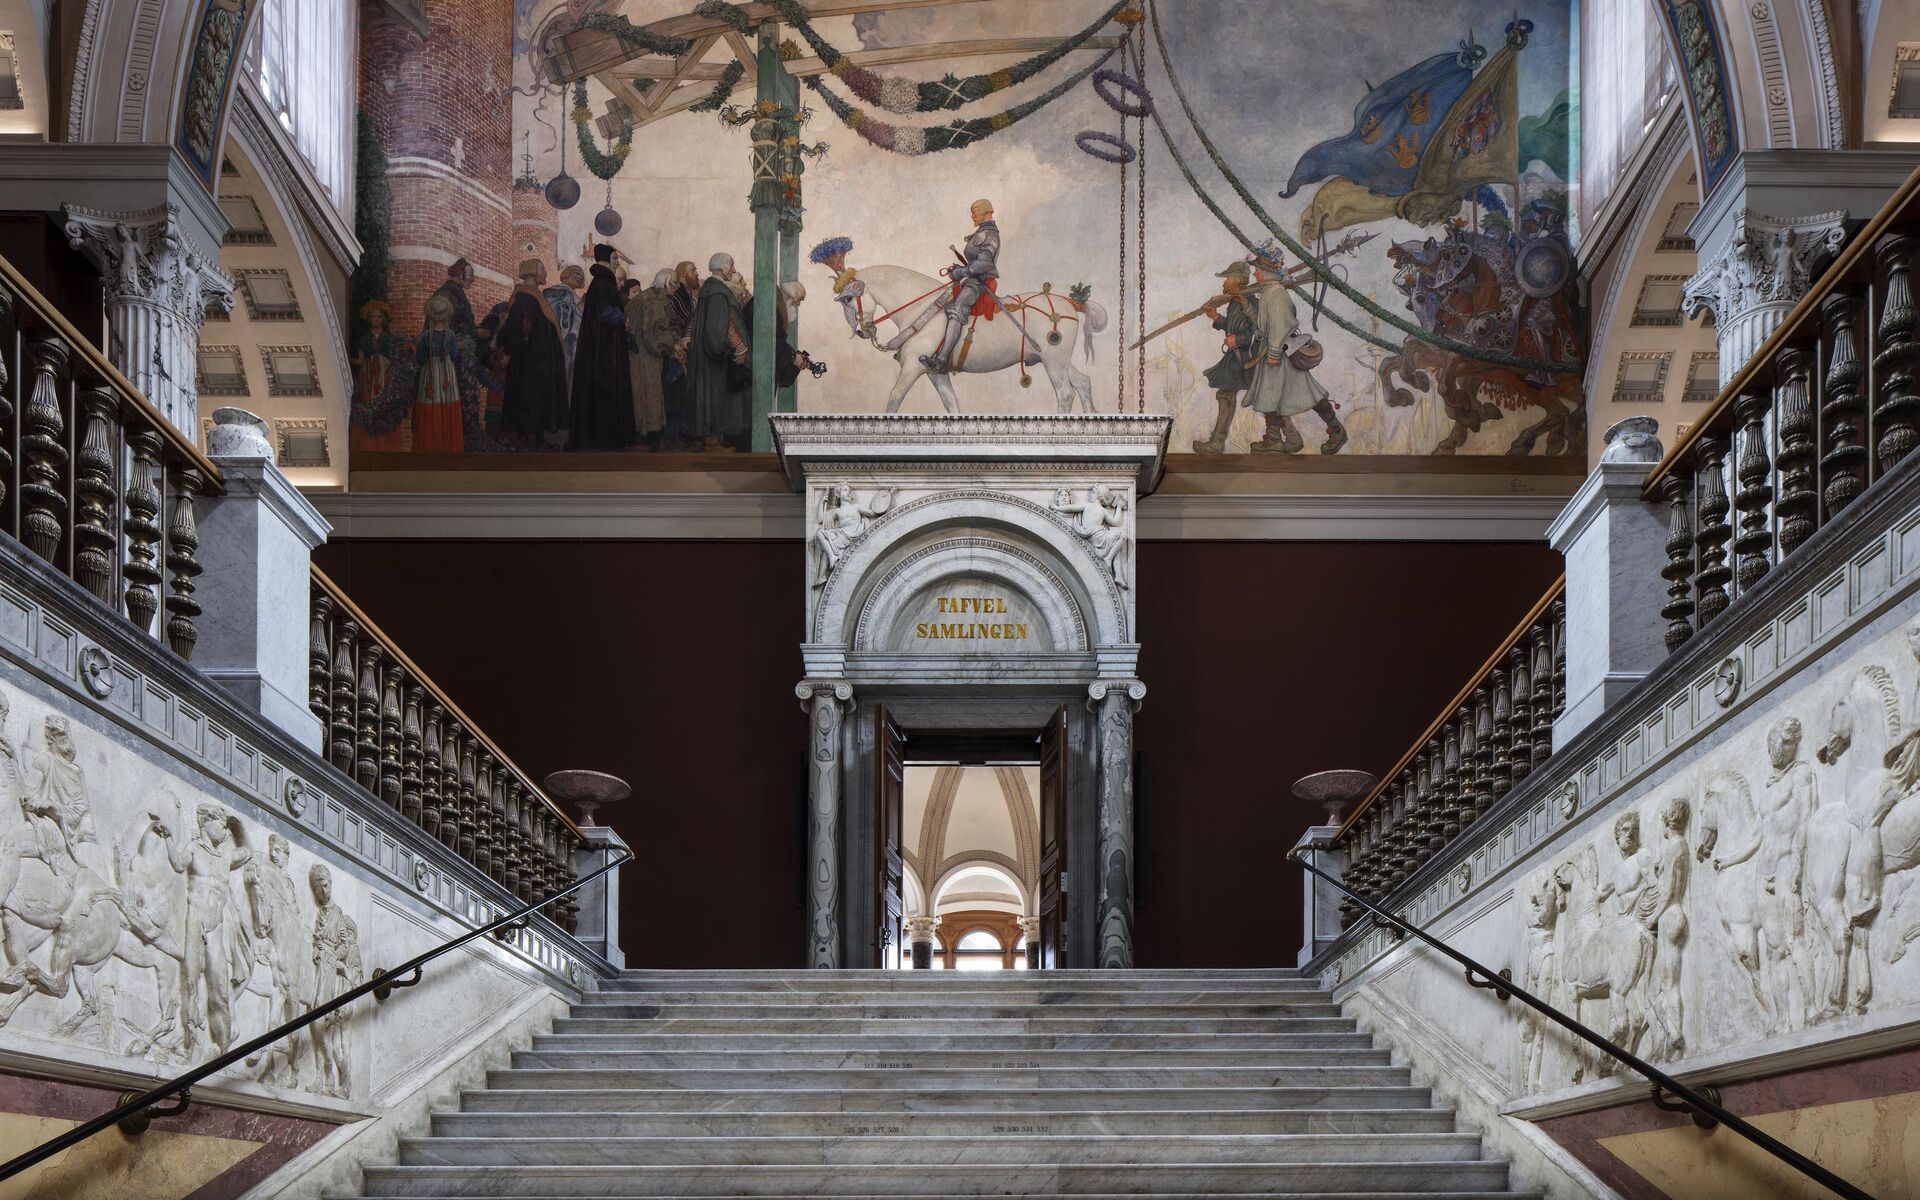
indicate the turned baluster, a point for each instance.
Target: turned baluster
{"x":410,"y":755}
{"x":556,"y":875}
{"x":535,"y":867}
{"x":570,"y":906}
{"x":142,"y":524}
{"x":430,"y":773}
{"x":1482,"y":705}
{"x":1898,"y":406}
{"x":390,"y":739}
{"x":1710,"y":539}
{"x":1520,"y":685}
{"x":346,"y":646}
{"x":94,"y":536}
{"x":1845,"y":462}
{"x":1540,"y":642}
{"x":451,"y":803}
{"x":482,"y":856}
{"x":1678,"y":572}
{"x":1399,"y":855}
{"x":6,"y":402}
{"x":1755,"y":473}
{"x":1799,"y":503}
{"x":509,"y":860}
{"x":366,"y":733}
{"x":1502,"y":738}
{"x":497,"y":825}
{"x":319,"y":654}
{"x":1557,"y":635}
{"x":1449,"y":785}
{"x":183,"y":538}
{"x":44,"y":449}
{"x":1428,"y":781}
{"x":466,"y":833}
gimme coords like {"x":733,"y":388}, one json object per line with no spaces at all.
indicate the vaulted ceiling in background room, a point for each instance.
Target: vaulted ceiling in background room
{"x":1421,"y":158}
{"x":972,"y":837}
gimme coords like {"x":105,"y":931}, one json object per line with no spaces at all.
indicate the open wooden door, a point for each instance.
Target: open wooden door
{"x":1053,"y":842}
{"x":889,"y":868}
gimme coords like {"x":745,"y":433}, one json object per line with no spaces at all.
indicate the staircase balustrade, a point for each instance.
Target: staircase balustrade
{"x":1489,"y":738}
{"x":1828,"y":406}
{"x":93,"y":478}
{"x":392,"y":730}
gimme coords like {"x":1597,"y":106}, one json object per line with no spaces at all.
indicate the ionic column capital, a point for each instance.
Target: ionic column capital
{"x":838,"y":691}
{"x":1132,"y":690}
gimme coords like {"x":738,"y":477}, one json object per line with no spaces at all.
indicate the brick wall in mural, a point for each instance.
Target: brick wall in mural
{"x":1341,"y":231}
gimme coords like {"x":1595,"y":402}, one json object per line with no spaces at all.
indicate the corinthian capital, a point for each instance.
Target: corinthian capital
{"x":146,"y":256}
{"x":1767,"y":261}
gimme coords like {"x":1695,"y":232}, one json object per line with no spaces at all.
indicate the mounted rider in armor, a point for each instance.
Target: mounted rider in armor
{"x":973,"y":277}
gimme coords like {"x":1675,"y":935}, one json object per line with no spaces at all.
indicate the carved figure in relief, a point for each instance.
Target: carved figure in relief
{"x":336,"y":971}
{"x":1102,"y":519}
{"x":214,"y":941}
{"x":1777,"y":846}
{"x":154,"y":898}
{"x":1635,"y":898}
{"x":1827,"y":888}
{"x":842,"y":521}
{"x":1895,"y":812}
{"x":1868,"y":765}
{"x":1540,"y":975}
{"x":1730,"y":807}
{"x":1670,"y":931}
{"x":274,"y":905}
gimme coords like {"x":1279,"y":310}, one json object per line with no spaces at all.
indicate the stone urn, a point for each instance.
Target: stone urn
{"x":586,"y":791}
{"x":1334,"y":790}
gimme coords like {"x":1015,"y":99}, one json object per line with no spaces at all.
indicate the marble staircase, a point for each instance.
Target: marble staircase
{"x":863,"y":1083}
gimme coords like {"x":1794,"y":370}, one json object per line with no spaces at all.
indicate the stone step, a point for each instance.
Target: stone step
{"x":937,"y":1151}
{"x":985,"y":1125}
{"x":607,"y":1007}
{"x":836,"y":1195}
{"x":918,"y":1059}
{"x":933,"y":1026}
{"x":952,"y":1078}
{"x":567,"y":1038}
{"x":870,"y":975}
{"x":1013,"y":982}
{"x":956,"y":998}
{"x":878,"y":1104}
{"x":1134,"y":1179}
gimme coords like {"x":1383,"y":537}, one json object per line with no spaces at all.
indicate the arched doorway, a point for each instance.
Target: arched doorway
{"x":969,"y":597}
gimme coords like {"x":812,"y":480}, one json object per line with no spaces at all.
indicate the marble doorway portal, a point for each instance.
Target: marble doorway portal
{"x":970,"y":575}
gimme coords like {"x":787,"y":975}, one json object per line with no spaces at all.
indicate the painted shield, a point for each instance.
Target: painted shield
{"x":1543,"y":266}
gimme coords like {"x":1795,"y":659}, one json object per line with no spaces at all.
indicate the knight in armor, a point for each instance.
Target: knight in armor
{"x":973,"y":277}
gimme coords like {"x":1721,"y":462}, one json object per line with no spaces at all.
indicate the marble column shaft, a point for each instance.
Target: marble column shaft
{"x":826,"y":702}
{"x":1114,"y":703}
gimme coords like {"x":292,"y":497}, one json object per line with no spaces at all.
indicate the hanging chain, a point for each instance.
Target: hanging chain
{"x":1120,"y":359}
{"x":1140,"y":228}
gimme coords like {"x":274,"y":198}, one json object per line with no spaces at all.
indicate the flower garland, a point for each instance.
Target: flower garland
{"x":633,"y":35}
{"x":912,"y":140}
{"x":729,"y":79}
{"x":603,"y":166}
{"x":933,"y":95}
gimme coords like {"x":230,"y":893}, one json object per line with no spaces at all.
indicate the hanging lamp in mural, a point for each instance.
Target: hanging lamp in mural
{"x":607,"y":222}
{"x":563,"y":190}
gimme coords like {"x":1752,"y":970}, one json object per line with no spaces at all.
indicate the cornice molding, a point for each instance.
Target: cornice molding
{"x":782,"y":517}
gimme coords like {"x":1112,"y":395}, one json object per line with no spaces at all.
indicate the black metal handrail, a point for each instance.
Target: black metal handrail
{"x":135,"y":1109}
{"x":1706,"y":1110}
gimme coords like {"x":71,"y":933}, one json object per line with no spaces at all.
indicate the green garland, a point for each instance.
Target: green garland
{"x":729,"y":79}
{"x":924,"y":96}
{"x":914,"y":140}
{"x":633,"y":35}
{"x":603,"y":166}
{"x":720,"y":10}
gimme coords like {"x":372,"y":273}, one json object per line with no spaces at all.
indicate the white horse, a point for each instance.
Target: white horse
{"x":904,"y":299}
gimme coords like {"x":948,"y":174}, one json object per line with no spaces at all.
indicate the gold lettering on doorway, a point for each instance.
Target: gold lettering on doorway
{"x":996,"y":631}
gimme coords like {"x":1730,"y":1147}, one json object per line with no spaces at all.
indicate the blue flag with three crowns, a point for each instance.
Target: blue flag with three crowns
{"x":1390,"y":128}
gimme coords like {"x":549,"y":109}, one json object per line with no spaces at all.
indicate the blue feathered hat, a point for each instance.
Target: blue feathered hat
{"x":827,"y":249}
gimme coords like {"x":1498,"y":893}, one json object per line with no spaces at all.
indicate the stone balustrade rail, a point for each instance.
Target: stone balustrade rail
{"x":1492,"y":735}
{"x":1827,"y":407}
{"x":393,"y":730}
{"x":93,"y":478}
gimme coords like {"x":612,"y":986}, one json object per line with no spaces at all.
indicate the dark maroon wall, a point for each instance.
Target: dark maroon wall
{"x":672,"y":664}
{"x":1266,"y":661}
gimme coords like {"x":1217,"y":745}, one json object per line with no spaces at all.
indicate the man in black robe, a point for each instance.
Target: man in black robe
{"x":602,"y":416}
{"x":536,"y":383}
{"x":716,"y":355}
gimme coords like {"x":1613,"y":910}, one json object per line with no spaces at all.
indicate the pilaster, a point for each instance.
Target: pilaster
{"x":598,"y":924}
{"x":1320,"y":907}
{"x":826,"y":702}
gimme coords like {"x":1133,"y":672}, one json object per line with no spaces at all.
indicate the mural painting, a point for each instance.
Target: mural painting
{"x":1339,"y":235}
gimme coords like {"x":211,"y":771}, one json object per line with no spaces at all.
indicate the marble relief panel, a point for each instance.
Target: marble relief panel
{"x":147,"y":926}
{"x":1768,"y":888}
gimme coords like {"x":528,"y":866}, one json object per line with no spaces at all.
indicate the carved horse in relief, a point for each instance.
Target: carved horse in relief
{"x":1601,"y":959}
{"x":1034,"y":329}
